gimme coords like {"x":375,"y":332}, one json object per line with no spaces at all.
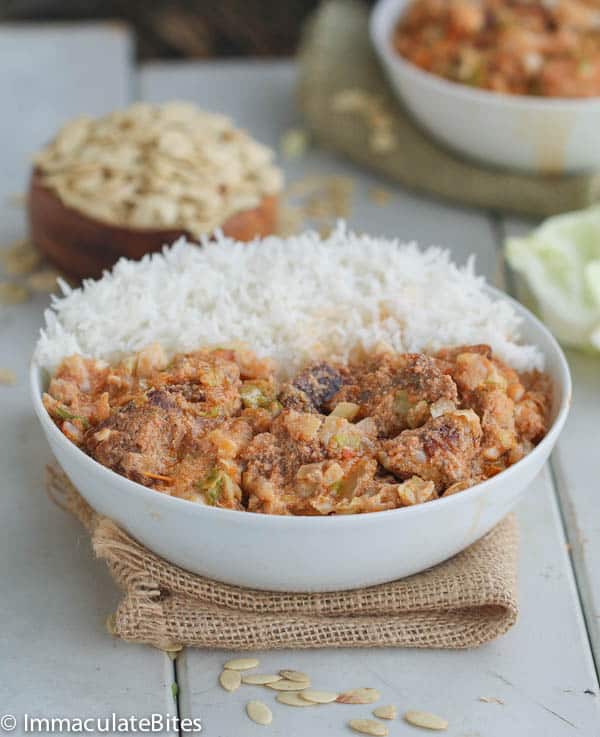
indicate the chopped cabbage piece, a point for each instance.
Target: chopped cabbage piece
{"x":560,"y":262}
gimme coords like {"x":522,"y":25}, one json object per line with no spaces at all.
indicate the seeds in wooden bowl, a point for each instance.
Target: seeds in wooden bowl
{"x":319,"y":697}
{"x":294,"y":675}
{"x":260,"y":679}
{"x":385,"y":712}
{"x":230,"y":680}
{"x":426,"y":720}
{"x":293,"y":698}
{"x":285,"y":685}
{"x":158,"y":166}
{"x":368,"y":726}
{"x":359,"y":696}
{"x":241,"y":664}
{"x":259,"y":712}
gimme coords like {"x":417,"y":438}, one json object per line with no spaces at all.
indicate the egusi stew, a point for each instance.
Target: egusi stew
{"x":216,"y":426}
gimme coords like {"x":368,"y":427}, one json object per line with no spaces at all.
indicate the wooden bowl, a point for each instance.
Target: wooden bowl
{"x":82,"y":246}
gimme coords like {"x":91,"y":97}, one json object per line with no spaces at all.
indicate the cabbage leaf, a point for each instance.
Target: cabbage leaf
{"x":560,"y":263}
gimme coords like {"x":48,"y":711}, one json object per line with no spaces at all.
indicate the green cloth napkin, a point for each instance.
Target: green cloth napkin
{"x":335,"y":55}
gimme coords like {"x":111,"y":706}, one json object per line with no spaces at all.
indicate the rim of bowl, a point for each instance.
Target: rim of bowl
{"x":381,"y":34}
{"x":564,"y":385}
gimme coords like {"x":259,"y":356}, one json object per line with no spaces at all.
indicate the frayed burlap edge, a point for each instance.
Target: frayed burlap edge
{"x":462,"y":603}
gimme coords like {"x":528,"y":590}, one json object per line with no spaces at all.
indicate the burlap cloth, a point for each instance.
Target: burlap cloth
{"x":335,"y":55}
{"x":461,"y":603}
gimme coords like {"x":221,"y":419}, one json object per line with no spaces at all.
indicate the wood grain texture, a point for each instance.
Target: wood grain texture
{"x":83,"y":246}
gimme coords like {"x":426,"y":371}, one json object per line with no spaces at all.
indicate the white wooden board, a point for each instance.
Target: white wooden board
{"x":56,"y":658}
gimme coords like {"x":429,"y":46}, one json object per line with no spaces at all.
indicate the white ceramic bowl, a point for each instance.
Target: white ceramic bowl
{"x":311,"y":553}
{"x":535,"y":134}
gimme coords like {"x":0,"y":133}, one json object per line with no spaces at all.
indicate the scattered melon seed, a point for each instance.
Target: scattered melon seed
{"x":368,"y":726}
{"x":318,"y":697}
{"x":260,"y":679}
{"x":380,"y":197}
{"x":426,"y":720}
{"x":241,"y":664}
{"x":7,"y":377}
{"x":293,"y":698}
{"x":491,"y":700}
{"x":111,"y":624}
{"x":172,"y":650}
{"x":294,"y":675}
{"x":230,"y":680}
{"x":359,"y":696}
{"x":43,"y":281}
{"x":259,"y":712}
{"x":285,"y":685}
{"x":385,"y":712}
{"x":294,"y":143}
{"x":12,"y":294}
{"x":382,"y":141}
{"x":20,"y":258}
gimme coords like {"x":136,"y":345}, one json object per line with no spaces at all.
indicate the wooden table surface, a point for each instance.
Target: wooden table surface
{"x":56,"y":658}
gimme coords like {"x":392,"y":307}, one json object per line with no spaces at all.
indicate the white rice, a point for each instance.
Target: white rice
{"x":292,"y":299}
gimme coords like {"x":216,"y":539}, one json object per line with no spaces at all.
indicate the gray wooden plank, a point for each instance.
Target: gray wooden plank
{"x":544,"y":665}
{"x":577,"y":465}
{"x":56,"y":657}
{"x":538,"y":669}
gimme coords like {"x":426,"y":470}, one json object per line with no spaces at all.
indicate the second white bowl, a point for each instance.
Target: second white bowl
{"x":538,"y":135}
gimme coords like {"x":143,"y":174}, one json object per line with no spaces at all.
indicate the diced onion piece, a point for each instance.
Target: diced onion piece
{"x":441,"y":407}
{"x":347,"y":410}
